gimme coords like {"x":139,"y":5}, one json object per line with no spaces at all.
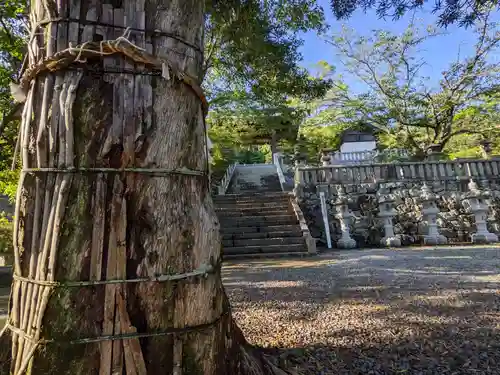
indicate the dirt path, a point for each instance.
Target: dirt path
{"x":375,"y":311}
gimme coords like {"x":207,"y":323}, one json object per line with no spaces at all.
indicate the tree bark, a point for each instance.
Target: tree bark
{"x":274,"y":143}
{"x":102,"y":226}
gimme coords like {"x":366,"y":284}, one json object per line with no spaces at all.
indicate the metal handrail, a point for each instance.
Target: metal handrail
{"x":279,"y":170}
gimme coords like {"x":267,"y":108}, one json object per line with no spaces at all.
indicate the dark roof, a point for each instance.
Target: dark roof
{"x":357,"y":136}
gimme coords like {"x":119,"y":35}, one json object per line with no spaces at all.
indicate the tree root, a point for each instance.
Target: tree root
{"x":255,"y":361}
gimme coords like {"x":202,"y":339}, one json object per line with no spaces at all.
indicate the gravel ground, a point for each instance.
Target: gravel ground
{"x":412,"y":311}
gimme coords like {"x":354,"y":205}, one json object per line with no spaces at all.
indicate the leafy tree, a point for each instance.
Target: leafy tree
{"x":252,"y":46}
{"x":465,"y":13}
{"x":252,"y":72}
{"x":243,"y":121}
{"x":484,"y":114}
{"x":318,"y":138}
{"x":12,"y":47}
{"x":12,"y":32}
{"x":323,"y":128}
{"x":399,"y":100}
{"x":329,"y":117}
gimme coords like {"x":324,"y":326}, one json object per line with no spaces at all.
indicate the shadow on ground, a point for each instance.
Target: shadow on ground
{"x":375,"y":312}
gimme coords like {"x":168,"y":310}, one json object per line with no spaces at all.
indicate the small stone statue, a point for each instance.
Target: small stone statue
{"x":430,"y":211}
{"x":475,"y":202}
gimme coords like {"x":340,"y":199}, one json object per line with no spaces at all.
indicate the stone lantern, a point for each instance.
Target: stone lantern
{"x":299,"y":159}
{"x":387,"y":212}
{"x":326,"y":158}
{"x":430,"y":211}
{"x":475,"y":202}
{"x":434,"y":153}
{"x":344,"y":216}
{"x":299,"y":156}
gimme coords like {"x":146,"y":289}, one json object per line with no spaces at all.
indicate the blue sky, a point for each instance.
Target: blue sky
{"x":438,"y":52}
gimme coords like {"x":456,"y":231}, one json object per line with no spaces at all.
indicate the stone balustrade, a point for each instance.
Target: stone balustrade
{"x":362,"y":157}
{"x":356,"y":156}
{"x":401,"y":172}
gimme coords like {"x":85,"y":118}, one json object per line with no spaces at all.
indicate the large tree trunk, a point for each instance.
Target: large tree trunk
{"x":102,"y":226}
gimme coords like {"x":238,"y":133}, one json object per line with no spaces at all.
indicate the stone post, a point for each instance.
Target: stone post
{"x":387,"y":213}
{"x":430,"y":211}
{"x":475,"y":202}
{"x":344,"y":216}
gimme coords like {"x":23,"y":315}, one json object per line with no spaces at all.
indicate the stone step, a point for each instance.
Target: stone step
{"x":262,"y":249}
{"x":254,"y":213}
{"x":243,"y":202}
{"x":254,"y":194}
{"x":296,"y":232}
{"x":268,"y":197}
{"x":262,"y":241}
{"x":300,"y":254}
{"x":259,"y":221}
{"x":274,"y":187}
{"x":233,"y":230}
{"x":250,"y":205}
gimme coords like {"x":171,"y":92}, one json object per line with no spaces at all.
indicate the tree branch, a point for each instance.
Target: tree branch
{"x":7,"y":32}
{"x":14,"y":113}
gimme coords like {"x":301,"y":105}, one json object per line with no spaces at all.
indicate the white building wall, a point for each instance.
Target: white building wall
{"x":358,"y":146}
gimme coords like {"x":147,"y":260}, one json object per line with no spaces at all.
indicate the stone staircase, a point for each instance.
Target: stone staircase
{"x":257,"y":218}
{"x":259,"y":224}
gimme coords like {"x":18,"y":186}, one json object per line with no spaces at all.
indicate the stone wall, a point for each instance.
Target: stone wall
{"x":454,"y":221}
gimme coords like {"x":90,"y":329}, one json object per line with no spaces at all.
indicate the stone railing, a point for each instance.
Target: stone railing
{"x":365,"y":156}
{"x":226,"y":179}
{"x":401,"y":172}
{"x":309,"y":240}
{"x":352,"y":156}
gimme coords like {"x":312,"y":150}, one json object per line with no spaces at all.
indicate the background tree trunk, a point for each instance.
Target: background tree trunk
{"x":117,"y":226}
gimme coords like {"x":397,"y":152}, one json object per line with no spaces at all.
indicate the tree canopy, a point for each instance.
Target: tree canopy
{"x":12,"y":47}
{"x":400,"y":101}
{"x":251,"y":69}
{"x":465,"y":13}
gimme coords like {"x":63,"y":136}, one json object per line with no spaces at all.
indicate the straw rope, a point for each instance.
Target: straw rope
{"x":121,"y":45}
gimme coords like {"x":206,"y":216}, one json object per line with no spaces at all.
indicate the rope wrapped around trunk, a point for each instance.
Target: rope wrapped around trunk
{"x":57,"y":62}
{"x":123,"y":46}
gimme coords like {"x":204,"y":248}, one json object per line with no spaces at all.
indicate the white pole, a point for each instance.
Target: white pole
{"x":325,"y":219}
